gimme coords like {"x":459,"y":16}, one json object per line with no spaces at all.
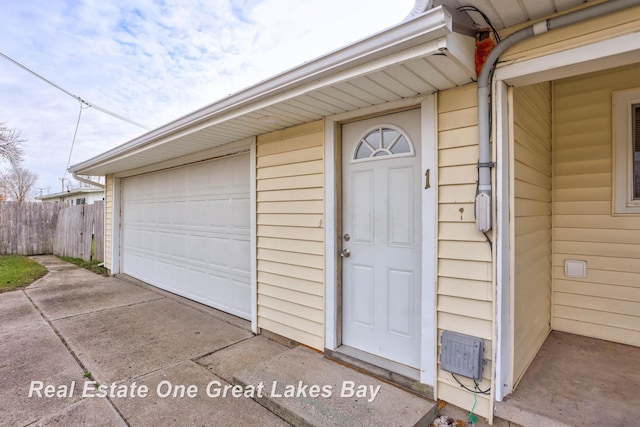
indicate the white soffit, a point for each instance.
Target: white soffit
{"x":413,"y":58}
{"x":507,"y":13}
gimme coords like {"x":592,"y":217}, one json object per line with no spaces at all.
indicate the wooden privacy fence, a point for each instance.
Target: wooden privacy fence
{"x":79,"y":229}
{"x":28,"y":228}
{"x":35,"y":228}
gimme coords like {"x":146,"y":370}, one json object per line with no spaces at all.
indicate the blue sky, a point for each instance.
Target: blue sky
{"x":153,"y":61}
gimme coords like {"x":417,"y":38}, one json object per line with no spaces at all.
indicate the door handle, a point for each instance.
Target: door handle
{"x":346,"y":253}
{"x":427,"y":183}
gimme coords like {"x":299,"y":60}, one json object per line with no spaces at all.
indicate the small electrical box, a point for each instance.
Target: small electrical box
{"x":462,"y":354}
{"x":483,"y":212}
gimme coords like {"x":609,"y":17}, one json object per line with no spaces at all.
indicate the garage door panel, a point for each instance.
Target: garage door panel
{"x":220,"y":214}
{"x":138,"y":212}
{"x":239,"y":263}
{"x":216,"y":252}
{"x":186,"y":230}
{"x":241,"y":293}
{"x":199,"y":214}
{"x":240,"y":213}
{"x":200,"y":249}
{"x":167,"y":276}
{"x":179,"y":244}
{"x":163,"y":214}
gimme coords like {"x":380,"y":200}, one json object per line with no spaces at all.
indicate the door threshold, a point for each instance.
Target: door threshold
{"x":385,"y":369}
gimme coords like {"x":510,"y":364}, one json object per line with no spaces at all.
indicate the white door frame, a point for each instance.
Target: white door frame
{"x":428,"y":345}
{"x":504,"y":256}
{"x":116,"y":218}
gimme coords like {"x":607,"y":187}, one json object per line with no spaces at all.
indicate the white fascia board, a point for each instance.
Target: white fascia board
{"x":237,"y":147}
{"x":601,"y":55}
{"x":426,"y":49}
{"x":433,"y":25}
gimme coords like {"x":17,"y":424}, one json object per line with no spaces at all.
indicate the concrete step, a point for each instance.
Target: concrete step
{"x":306,"y":389}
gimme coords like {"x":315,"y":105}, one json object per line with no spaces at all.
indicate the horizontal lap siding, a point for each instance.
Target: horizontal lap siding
{"x":601,"y":28}
{"x":605,"y":304}
{"x":290,"y":233}
{"x":108,"y":221}
{"x":532,"y":222}
{"x":465,"y":290}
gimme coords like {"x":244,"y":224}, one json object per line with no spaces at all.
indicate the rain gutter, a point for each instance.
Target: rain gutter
{"x":86,"y":180}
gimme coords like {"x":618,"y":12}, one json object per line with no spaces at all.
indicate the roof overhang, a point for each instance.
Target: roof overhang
{"x":69,"y":193}
{"x":600,"y":55}
{"x":419,"y":56}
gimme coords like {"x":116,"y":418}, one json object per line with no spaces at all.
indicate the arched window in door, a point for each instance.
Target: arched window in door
{"x":381,"y":142}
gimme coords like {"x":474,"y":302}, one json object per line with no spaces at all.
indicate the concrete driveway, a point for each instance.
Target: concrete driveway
{"x":73,"y":327}
{"x":78,"y":349}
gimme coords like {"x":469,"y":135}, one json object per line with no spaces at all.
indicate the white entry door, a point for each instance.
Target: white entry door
{"x":381,"y":239}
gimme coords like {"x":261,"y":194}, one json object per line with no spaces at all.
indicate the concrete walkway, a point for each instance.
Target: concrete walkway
{"x":80,"y":349}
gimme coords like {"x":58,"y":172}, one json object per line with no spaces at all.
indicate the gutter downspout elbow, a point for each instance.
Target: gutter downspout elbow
{"x":86,"y":181}
{"x":420,"y":7}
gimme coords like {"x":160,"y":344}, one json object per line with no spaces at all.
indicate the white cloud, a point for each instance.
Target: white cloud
{"x":155,"y":60}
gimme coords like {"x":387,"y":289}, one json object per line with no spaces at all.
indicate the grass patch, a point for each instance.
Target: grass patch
{"x":89,"y":265}
{"x":17,"y":271}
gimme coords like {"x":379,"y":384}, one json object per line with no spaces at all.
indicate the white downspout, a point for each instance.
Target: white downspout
{"x":420,"y":7}
{"x":86,"y":181}
{"x":483,"y":199}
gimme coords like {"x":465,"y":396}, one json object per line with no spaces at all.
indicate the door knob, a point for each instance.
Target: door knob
{"x":346,"y":253}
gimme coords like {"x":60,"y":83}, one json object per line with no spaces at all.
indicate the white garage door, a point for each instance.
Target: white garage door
{"x":186,"y":230}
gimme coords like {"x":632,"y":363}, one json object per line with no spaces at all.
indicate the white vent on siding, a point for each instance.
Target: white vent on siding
{"x":574,"y":268}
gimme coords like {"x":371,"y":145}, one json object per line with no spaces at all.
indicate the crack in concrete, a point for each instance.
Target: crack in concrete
{"x":73,"y":354}
{"x":105,"y":309}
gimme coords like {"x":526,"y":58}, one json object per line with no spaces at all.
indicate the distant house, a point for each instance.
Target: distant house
{"x":78,"y":196}
{"x":368,"y":201}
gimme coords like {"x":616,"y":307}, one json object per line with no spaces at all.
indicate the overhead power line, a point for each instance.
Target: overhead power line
{"x":73,"y":141}
{"x":77,"y":98}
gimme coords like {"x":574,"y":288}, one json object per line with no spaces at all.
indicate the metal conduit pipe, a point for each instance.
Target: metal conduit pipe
{"x":483,"y":199}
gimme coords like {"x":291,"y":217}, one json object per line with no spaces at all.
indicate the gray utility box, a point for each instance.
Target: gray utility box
{"x":462,"y":354}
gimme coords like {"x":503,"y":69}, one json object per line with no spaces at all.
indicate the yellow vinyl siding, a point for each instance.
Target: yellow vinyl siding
{"x":108,"y":221}
{"x":465,"y":290}
{"x":532,"y":222}
{"x":605,"y":304}
{"x":601,"y":28}
{"x":290,"y":233}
